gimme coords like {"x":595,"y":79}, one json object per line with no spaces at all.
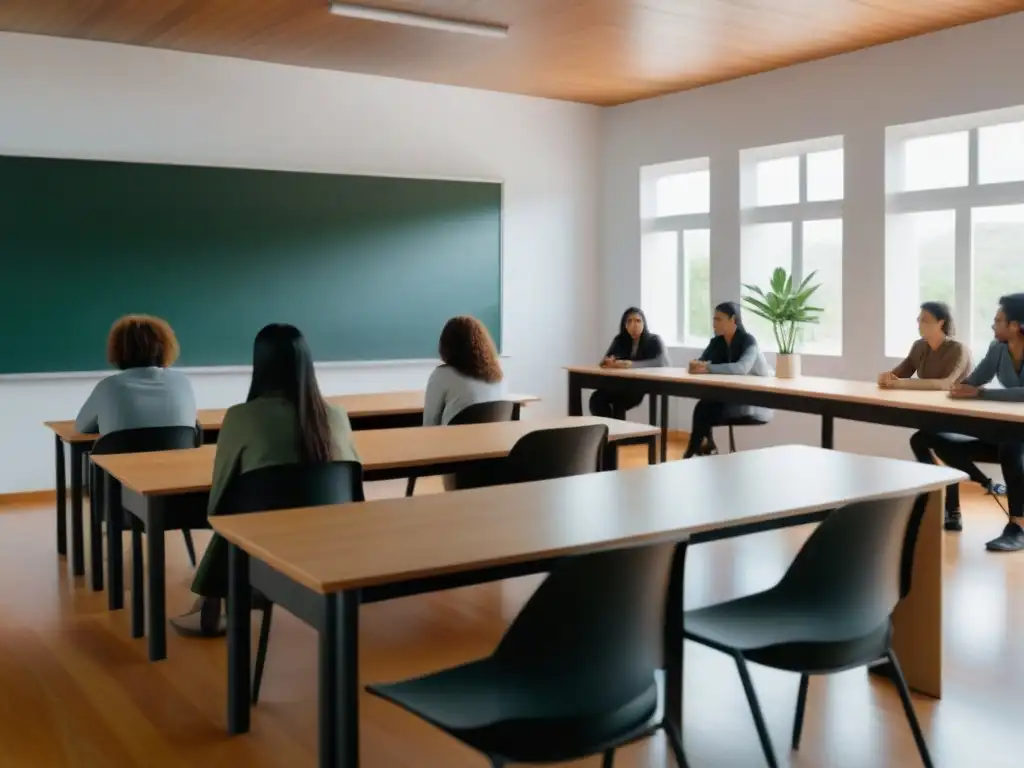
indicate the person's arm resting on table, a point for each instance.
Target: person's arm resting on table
{"x":88,"y":420}
{"x":743,"y":366}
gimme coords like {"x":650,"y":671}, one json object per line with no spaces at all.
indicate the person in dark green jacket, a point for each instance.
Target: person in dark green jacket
{"x":284,"y":420}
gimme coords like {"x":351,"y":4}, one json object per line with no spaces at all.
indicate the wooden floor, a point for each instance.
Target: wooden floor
{"x":75,"y":690}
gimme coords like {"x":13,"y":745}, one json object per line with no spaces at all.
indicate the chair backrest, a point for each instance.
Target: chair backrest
{"x":287,"y":486}
{"x":485,"y":413}
{"x":561,"y":452}
{"x":857,"y":563}
{"x":593,"y":630}
{"x":148,"y":439}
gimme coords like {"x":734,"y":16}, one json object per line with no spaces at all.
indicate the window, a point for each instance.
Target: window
{"x":675,"y":267}
{"x":955,"y":222}
{"x":792,"y":218}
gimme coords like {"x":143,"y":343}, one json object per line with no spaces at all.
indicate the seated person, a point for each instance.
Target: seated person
{"x":284,"y":420}
{"x":734,"y":351}
{"x":1003,"y":362}
{"x":634,"y":347}
{"x":146,"y":393}
{"x":470,"y":371}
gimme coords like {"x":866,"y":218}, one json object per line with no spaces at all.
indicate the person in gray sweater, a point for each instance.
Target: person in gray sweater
{"x":1004,"y":363}
{"x":732,"y":351}
{"x":470,"y":372}
{"x":145,"y":393}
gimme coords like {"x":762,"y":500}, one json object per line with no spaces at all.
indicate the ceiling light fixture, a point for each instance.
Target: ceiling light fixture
{"x":388,"y":16}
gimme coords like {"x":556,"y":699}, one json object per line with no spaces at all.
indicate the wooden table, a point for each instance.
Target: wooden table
{"x":322,"y":563}
{"x":829,"y":398}
{"x":382,"y":410}
{"x":168,"y":490}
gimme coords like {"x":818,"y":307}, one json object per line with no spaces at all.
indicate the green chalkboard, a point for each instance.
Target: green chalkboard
{"x":368,"y":267}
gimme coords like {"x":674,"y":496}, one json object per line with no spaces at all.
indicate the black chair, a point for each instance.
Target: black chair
{"x":546,"y":454}
{"x":144,"y":440}
{"x":288,"y":486}
{"x":745,"y":421}
{"x":478,"y":413}
{"x":830,"y":612}
{"x":575,"y":674}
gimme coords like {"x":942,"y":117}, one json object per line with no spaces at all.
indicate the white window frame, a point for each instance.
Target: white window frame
{"x":961,"y":200}
{"x":680,"y":223}
{"x":795,"y":213}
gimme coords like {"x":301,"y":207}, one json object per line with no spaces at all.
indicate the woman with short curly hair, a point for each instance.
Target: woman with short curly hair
{"x":470,"y":372}
{"x":145,"y":393}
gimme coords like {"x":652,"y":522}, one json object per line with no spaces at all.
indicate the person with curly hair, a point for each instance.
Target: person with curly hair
{"x":146,"y":393}
{"x":470,"y":371}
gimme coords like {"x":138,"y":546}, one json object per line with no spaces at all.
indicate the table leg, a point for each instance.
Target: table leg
{"x":339,"y":682}
{"x":138,"y":582}
{"x":575,"y":397}
{"x":239,"y":639}
{"x":113,"y":514}
{"x":62,"y":497}
{"x":517,"y":409}
{"x":827,"y":432}
{"x":664,"y":428}
{"x":96,"y":505}
{"x":610,"y":459}
{"x":156,"y":590}
{"x":652,"y":450}
{"x":917,"y":621}
{"x":77,"y":534}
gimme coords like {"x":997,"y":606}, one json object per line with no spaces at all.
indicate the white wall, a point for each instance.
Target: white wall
{"x":63,"y":98}
{"x":958,"y":71}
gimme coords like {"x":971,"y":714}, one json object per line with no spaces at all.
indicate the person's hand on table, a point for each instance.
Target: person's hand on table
{"x":886,"y":379}
{"x":623,"y":363}
{"x":963,"y":391}
{"x":608,"y":362}
{"x":698,"y":366}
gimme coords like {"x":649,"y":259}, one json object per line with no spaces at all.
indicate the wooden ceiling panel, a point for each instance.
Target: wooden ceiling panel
{"x":597,"y":51}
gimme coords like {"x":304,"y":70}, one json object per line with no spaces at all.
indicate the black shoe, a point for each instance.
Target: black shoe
{"x":995,"y":489}
{"x":953,"y":520}
{"x":206,"y":619}
{"x":1012,"y":539}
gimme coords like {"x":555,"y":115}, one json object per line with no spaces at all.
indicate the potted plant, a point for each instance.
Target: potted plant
{"x":786,"y":307}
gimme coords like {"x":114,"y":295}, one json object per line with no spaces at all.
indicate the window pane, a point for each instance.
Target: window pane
{"x":683,"y":193}
{"x":1001,"y":153}
{"x":765,"y":248}
{"x":697,"y":286}
{"x":997,"y":236}
{"x":778,"y":181}
{"x":659,"y":271}
{"x":825,"y":175}
{"x":823,"y":253}
{"x":920,"y":266}
{"x":936,"y":162}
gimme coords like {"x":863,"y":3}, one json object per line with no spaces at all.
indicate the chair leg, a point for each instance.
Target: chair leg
{"x":732,"y":440}
{"x":675,"y":743}
{"x":410,"y":486}
{"x":801,"y":703}
{"x":608,"y":761}
{"x":261,"y":652}
{"x":908,"y":708}
{"x":189,"y":545}
{"x":755,"y":710}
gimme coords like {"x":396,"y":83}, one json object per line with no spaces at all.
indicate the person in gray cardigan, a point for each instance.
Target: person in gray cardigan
{"x":1004,"y":363}
{"x":146,"y":393}
{"x":470,"y":371}
{"x":732,"y":351}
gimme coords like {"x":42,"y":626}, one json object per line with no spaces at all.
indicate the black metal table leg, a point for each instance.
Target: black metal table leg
{"x":156,"y":591}
{"x":827,"y":431}
{"x":62,"y":497}
{"x":664,"y":428}
{"x":652,"y":419}
{"x":652,"y":450}
{"x":575,"y":397}
{"x":113,"y":514}
{"x":339,"y":681}
{"x":610,"y":458}
{"x":77,"y":534}
{"x":239,"y":608}
{"x":96,"y":505}
{"x":138,"y":582}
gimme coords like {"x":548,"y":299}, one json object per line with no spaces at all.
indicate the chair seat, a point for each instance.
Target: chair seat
{"x":518,"y":718}
{"x":776,"y":630}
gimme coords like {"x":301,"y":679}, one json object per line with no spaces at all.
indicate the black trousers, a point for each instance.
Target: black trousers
{"x":613,"y":405}
{"x":708,"y":414}
{"x":963,"y":452}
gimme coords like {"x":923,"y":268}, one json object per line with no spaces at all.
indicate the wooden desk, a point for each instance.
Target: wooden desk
{"x":829,"y":398}
{"x":321,"y":563}
{"x":380,"y":410}
{"x":168,"y":490}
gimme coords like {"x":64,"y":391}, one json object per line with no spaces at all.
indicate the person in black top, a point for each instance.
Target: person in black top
{"x":732,"y":351}
{"x":634,"y":347}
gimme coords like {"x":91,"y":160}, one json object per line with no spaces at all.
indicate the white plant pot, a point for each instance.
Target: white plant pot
{"x":787,"y":366}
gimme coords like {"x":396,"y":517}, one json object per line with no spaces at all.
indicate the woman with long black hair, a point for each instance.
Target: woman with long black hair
{"x":633,"y":347}
{"x":733,"y":350}
{"x":284,"y":420}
